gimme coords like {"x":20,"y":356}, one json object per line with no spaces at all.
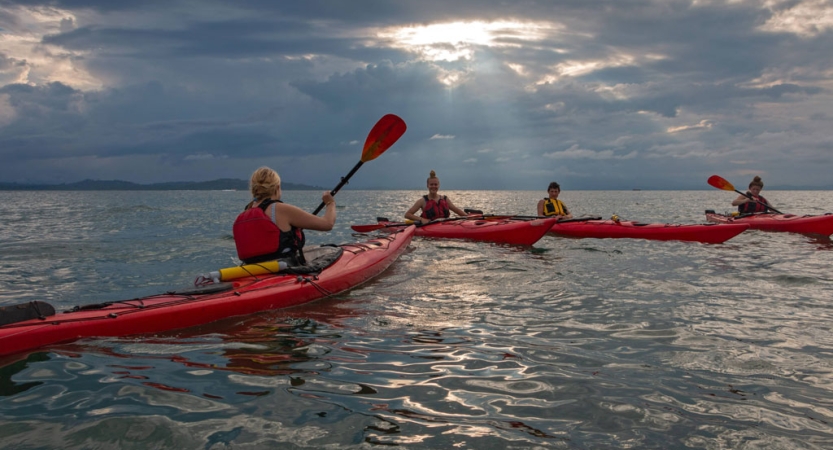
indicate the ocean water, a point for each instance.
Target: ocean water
{"x":570,"y":343}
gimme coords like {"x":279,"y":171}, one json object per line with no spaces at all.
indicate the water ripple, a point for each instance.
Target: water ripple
{"x":567,"y":344}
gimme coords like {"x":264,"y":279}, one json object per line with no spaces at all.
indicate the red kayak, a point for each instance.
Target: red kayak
{"x":330,"y":270}
{"x":501,"y":230}
{"x":605,"y":229}
{"x":791,"y":223}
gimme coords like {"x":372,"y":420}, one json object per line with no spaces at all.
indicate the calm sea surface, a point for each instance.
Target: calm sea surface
{"x":577,"y":344}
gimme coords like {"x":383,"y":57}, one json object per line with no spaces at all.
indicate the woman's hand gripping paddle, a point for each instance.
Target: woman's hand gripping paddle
{"x":721,"y":183}
{"x":384,"y":134}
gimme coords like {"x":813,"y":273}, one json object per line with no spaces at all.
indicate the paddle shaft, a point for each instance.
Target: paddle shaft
{"x":384,"y":134}
{"x":721,"y":183}
{"x":749,"y":196}
{"x":577,"y":219}
{"x":379,"y":226}
{"x":374,"y":227}
{"x":344,"y":181}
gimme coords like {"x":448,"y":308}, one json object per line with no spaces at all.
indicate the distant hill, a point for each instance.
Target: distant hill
{"x":117,"y":185}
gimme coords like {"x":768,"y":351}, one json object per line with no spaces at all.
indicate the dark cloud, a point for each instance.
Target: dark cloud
{"x":605,"y":94}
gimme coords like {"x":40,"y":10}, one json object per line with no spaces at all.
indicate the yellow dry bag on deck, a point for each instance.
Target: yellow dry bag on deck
{"x":246,"y":270}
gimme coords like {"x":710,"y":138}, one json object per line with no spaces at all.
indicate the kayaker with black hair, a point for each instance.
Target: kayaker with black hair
{"x":269,"y":229}
{"x":433,"y":205}
{"x":753,"y":201}
{"x":551,"y":205}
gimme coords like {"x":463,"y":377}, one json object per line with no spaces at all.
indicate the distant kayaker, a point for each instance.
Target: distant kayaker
{"x":752,"y":202}
{"x":433,"y":205}
{"x":269,"y":229}
{"x":552,"y":206}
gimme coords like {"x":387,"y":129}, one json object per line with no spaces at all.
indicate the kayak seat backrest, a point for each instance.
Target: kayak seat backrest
{"x":25,"y":311}
{"x":326,"y":256}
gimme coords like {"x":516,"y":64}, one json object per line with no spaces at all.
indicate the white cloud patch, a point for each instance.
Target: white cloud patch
{"x":581,"y":67}
{"x":12,"y":70}
{"x":703,"y":125}
{"x":442,"y":136}
{"x":22,"y":39}
{"x":807,"y":18}
{"x":575,"y":152}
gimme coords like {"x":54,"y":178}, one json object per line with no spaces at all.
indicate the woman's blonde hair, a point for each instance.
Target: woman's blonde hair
{"x":265,"y":182}
{"x":431,"y":175}
{"x":756,"y":182}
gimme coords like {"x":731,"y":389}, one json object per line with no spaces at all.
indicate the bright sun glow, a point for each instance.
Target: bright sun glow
{"x":457,"y":40}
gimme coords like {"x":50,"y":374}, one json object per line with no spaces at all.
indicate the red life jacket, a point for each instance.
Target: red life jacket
{"x":753,"y":207}
{"x":259,"y":239}
{"x":434,"y":209}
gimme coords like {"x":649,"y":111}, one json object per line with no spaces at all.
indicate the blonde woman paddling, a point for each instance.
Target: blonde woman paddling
{"x":433,"y":206}
{"x":269,"y":229}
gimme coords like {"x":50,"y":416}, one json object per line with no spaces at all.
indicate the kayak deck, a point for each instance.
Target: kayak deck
{"x":356,"y":264}
{"x":501,"y":230}
{"x":789,"y":223}
{"x":610,"y":229}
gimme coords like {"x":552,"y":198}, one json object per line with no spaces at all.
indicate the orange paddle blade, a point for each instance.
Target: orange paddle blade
{"x":384,"y":134}
{"x":720,"y":183}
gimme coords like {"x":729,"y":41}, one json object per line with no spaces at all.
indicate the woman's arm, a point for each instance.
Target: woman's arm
{"x":411,"y":214}
{"x":567,"y":213}
{"x":289,"y":215}
{"x":455,"y":209}
{"x":740,"y":200}
{"x":540,"y":208}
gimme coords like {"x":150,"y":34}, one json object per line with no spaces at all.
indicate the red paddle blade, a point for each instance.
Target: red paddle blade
{"x":384,"y":134}
{"x":720,"y":183}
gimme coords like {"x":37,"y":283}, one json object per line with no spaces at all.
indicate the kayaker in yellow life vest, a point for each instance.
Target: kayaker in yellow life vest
{"x":433,"y":205}
{"x":552,"y":206}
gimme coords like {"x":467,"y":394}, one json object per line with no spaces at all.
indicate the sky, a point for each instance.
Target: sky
{"x":497,"y":94}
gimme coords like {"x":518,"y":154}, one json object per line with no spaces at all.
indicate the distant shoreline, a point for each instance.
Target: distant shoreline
{"x":230,"y":184}
{"x":223,"y":184}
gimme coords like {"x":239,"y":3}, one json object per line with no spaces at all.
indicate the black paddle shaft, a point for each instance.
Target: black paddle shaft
{"x":749,"y":196}
{"x":341,"y":184}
